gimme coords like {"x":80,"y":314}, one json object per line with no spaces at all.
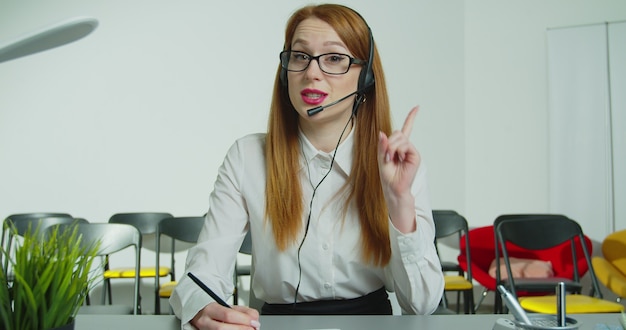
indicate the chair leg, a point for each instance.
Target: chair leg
{"x":498,"y":307}
{"x":106,"y":292}
{"x":110,"y":291}
{"x":444,"y":300}
{"x":482,"y":297}
{"x":157,"y":303}
{"x":106,"y":286}
{"x":468,"y":302}
{"x":471,"y":307}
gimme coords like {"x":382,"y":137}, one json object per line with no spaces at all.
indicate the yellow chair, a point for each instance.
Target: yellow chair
{"x":449,"y":223}
{"x":544,"y":231}
{"x":182,"y":229}
{"x":611,"y":266}
{"x":574,"y":304}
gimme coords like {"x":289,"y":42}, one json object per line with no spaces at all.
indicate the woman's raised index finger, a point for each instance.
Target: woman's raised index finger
{"x":408,"y":122}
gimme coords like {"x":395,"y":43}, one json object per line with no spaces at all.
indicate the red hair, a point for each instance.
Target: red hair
{"x":284,"y":202}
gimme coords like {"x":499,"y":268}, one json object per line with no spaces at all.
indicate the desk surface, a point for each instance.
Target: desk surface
{"x":479,"y":321}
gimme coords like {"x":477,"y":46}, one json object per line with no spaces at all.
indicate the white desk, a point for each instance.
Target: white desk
{"x":479,"y":322}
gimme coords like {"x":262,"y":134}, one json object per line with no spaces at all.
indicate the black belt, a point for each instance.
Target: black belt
{"x":375,"y":303}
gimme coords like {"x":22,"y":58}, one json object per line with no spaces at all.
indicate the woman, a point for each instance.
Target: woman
{"x":336,"y":203}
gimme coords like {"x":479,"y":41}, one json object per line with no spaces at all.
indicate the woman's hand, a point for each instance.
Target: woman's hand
{"x":398,"y":161}
{"x":216,"y":316}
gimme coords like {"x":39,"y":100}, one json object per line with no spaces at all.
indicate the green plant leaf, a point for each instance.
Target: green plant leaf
{"x":6,"y":319}
{"x":52,"y":278}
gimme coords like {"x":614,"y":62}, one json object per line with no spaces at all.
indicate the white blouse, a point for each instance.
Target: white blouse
{"x":330,"y":258}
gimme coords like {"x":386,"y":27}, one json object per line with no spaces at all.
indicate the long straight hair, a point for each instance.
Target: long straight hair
{"x":284,"y":204}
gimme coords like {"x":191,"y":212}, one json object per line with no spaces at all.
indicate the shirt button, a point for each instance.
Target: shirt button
{"x":327,"y":285}
{"x":325,"y":246}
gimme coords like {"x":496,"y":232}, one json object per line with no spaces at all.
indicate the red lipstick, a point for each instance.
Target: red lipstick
{"x":313,"y":96}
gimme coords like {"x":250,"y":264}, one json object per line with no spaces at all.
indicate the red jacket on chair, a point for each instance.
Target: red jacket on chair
{"x":482,"y":241}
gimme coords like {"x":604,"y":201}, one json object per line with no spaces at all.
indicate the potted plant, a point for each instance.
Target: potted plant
{"x":50,"y":280}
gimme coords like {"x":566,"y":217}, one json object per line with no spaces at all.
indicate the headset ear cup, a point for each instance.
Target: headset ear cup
{"x":366,"y":78}
{"x":283,"y":77}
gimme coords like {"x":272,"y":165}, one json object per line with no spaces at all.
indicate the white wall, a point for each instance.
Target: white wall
{"x":587,"y":151}
{"x":506,"y":99}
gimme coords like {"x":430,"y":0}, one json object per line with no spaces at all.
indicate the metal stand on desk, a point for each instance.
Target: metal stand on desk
{"x":543,"y":321}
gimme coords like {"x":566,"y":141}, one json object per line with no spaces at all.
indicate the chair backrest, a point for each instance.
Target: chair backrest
{"x":542,"y":233}
{"x":185,"y":229}
{"x":146,"y":222}
{"x":20,"y":224}
{"x":448,"y":223}
{"x":555,"y":248}
{"x":113,"y":237}
{"x":558,"y":234}
{"x":614,"y":250}
{"x":36,"y":215}
{"x":482,"y":245}
{"x":246,"y":245}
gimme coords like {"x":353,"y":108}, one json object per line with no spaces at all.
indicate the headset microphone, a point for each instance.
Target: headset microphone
{"x":319,"y":109}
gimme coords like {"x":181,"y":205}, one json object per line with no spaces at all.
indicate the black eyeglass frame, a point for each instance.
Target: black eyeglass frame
{"x":284,"y":61}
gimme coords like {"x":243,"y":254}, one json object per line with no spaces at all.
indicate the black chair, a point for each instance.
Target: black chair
{"x":29,"y":221}
{"x":530,"y":243}
{"x":20,"y":224}
{"x":538,"y":232}
{"x":449,"y":223}
{"x":146,"y":223}
{"x":182,"y":229}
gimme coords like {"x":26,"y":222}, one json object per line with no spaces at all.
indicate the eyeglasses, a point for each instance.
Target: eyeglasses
{"x":331,"y":63}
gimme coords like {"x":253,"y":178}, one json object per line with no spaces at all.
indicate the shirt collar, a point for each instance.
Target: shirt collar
{"x":343,"y":158}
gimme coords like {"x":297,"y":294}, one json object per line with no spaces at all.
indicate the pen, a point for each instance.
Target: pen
{"x":207,"y":290}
